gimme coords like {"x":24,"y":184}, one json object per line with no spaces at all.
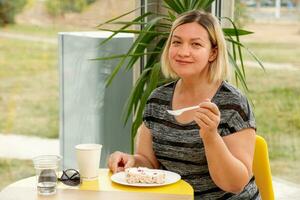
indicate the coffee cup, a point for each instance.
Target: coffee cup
{"x":88,"y":160}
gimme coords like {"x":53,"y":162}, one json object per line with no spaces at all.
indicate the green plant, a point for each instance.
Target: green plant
{"x":150,"y":42}
{"x":9,"y":9}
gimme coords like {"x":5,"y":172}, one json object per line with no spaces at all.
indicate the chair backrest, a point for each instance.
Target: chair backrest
{"x":261,"y":169}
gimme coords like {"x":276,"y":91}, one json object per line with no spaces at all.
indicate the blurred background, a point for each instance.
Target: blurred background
{"x":29,"y":77}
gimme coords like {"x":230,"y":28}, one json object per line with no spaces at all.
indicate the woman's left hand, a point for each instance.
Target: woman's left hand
{"x":207,"y":116}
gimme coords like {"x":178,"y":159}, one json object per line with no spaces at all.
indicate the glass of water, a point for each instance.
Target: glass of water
{"x":46,"y":167}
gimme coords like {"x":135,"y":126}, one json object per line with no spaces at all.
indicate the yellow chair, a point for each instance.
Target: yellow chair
{"x":261,"y":169}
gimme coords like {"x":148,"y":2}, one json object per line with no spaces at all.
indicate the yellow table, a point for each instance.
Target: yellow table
{"x":103,"y":188}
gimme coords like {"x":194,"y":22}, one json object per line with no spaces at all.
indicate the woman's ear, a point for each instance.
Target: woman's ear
{"x":213,"y":54}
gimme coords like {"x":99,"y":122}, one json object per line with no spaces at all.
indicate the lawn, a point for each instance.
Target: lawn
{"x":276,"y":52}
{"x":28,"y":88}
{"x":275,"y":95}
{"x":40,"y":31}
{"x":275,"y":42}
{"x":10,"y":170}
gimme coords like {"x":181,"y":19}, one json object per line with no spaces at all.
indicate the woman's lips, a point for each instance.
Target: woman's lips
{"x":184,"y":62}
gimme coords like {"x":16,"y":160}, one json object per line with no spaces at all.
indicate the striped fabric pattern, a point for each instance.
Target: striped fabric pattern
{"x":179,"y":148}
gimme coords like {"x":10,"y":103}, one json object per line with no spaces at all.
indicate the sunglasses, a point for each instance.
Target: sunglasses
{"x":70,"y":177}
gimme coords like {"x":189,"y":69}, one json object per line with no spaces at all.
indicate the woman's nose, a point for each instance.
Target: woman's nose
{"x":184,"y":51}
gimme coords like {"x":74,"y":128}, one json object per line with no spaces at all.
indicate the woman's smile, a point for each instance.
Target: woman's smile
{"x":183,"y":62}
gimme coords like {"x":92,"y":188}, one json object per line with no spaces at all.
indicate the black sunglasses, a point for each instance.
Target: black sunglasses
{"x":70,"y":177}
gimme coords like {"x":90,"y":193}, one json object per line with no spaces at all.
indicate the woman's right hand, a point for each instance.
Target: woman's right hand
{"x":119,"y":161}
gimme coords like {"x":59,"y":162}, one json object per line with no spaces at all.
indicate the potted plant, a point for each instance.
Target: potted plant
{"x":150,"y":42}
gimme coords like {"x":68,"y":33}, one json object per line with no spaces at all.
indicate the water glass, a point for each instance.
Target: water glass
{"x":46,"y":167}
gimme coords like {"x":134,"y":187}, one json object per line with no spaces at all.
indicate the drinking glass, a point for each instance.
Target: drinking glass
{"x":46,"y":167}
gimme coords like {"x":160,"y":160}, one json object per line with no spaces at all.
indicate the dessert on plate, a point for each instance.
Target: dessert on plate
{"x":144,"y":175}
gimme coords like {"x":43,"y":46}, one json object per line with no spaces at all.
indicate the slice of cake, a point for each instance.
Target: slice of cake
{"x":144,"y":175}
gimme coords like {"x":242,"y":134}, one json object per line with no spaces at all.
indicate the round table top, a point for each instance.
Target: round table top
{"x":103,"y":188}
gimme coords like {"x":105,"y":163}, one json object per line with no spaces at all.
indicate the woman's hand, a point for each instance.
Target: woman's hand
{"x":207,"y":116}
{"x":119,"y":161}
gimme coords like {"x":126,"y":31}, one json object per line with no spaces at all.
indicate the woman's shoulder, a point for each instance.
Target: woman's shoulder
{"x":163,"y":91}
{"x":236,"y":112}
{"x":230,"y":93}
{"x":157,"y":103}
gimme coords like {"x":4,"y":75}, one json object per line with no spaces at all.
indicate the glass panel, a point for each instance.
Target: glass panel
{"x":29,"y":77}
{"x":276,"y":92}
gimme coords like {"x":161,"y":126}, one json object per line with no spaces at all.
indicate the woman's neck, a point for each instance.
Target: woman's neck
{"x":195,"y":91}
{"x":192,"y":87}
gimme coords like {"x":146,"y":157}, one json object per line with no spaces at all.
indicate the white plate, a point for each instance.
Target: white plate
{"x":171,"y":177}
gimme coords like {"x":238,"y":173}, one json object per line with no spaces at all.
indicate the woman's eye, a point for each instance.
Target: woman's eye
{"x":175,"y":42}
{"x":195,"y":44}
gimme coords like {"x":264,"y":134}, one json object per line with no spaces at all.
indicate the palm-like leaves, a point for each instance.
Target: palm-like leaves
{"x":154,"y":34}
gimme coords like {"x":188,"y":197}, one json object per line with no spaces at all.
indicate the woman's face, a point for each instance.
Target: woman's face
{"x":190,"y":50}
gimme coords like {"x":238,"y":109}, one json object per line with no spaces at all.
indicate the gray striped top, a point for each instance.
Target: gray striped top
{"x":179,"y":148}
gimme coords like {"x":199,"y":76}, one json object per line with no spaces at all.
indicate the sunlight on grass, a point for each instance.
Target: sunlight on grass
{"x":286,"y":169}
{"x":29,"y":88}
{"x":36,"y":30}
{"x":275,"y":52}
{"x":275,"y":96}
{"x":11,"y":171}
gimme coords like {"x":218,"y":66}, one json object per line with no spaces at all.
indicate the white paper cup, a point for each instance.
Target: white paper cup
{"x":88,"y":160}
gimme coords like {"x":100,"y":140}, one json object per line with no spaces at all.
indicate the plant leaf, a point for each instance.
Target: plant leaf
{"x":133,"y":31}
{"x":174,"y":5}
{"x":135,"y":94}
{"x":144,"y":38}
{"x":207,"y":4}
{"x":127,"y":55}
{"x":153,"y":58}
{"x":234,"y":32}
{"x":249,"y":51}
{"x":172,"y":17}
{"x":238,"y":73}
{"x":118,"y":17}
{"x":124,"y":27}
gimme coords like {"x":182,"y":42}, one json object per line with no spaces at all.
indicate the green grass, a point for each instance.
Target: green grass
{"x":275,"y":95}
{"x":28,"y":88}
{"x":275,"y":52}
{"x":13,"y":170}
{"x":286,"y":169}
{"x":37,"y":30}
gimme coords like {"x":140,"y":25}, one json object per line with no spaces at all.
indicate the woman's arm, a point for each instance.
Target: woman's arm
{"x":144,"y":155}
{"x":229,"y":158}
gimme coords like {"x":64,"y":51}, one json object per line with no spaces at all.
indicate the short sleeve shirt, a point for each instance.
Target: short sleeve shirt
{"x":179,"y":148}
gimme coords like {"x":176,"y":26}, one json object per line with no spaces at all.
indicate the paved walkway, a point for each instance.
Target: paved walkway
{"x":273,"y":66}
{"x":24,"y":147}
{"x":285,"y":190}
{"x":25,"y":37}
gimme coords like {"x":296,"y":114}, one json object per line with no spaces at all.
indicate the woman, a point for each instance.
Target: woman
{"x":211,"y":147}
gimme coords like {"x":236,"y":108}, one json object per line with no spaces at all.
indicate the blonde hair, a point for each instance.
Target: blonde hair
{"x":219,"y":67}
